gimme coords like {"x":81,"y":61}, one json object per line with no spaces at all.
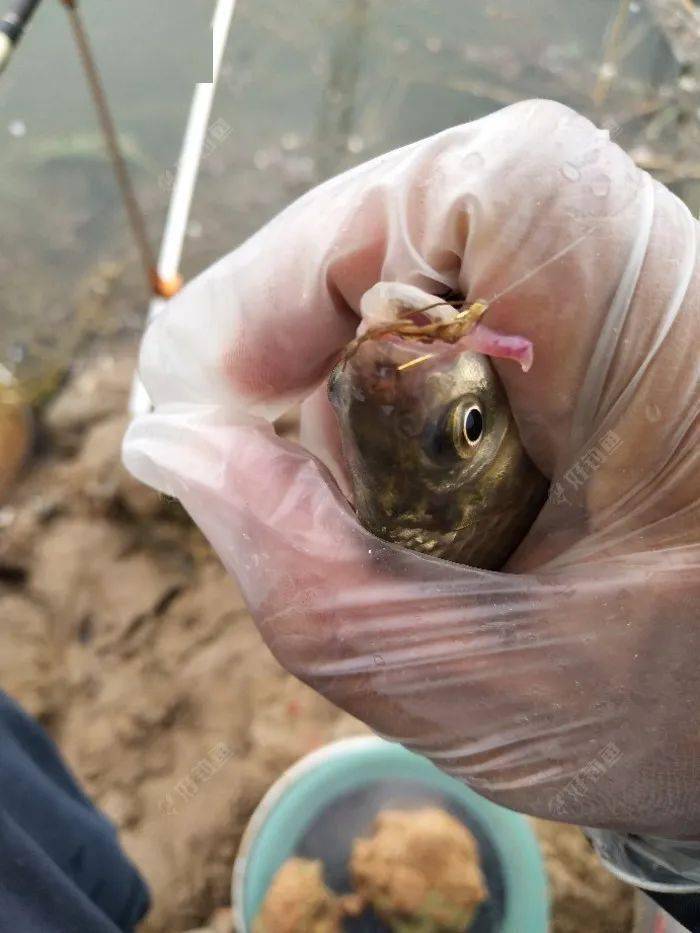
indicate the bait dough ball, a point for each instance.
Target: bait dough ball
{"x":420,"y":871}
{"x":298,"y":900}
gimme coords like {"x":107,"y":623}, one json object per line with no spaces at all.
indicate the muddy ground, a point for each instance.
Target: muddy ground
{"x":120,"y":631}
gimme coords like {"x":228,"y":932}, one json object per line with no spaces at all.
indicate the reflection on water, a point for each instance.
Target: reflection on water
{"x":302,"y":97}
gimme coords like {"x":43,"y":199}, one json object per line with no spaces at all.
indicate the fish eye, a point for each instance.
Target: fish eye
{"x":461,"y":430}
{"x":472,"y":425}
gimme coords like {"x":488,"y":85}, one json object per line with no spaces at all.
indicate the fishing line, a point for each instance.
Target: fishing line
{"x":543,"y":265}
{"x":606,"y":72}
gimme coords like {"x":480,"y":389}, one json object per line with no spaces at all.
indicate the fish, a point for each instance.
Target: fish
{"x":435,"y":459}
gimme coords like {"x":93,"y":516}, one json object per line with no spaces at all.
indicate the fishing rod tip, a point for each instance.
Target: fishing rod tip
{"x":165,"y":288}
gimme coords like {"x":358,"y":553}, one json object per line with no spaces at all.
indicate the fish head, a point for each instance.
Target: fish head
{"x":433,"y":451}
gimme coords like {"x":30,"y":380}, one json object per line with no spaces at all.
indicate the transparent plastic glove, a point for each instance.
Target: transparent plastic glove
{"x":569,"y":689}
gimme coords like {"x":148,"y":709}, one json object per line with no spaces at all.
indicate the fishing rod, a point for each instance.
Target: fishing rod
{"x":185,"y":181}
{"x":163,"y":275}
{"x":12,"y":27}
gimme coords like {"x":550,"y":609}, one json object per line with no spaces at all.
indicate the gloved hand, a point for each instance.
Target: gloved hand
{"x":569,"y":689}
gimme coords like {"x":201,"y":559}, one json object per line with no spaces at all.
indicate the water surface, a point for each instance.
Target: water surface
{"x":304,"y":94}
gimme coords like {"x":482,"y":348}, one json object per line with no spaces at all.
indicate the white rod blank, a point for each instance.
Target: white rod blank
{"x":186,"y":180}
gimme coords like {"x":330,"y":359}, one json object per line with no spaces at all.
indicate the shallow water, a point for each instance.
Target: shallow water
{"x":301,"y":97}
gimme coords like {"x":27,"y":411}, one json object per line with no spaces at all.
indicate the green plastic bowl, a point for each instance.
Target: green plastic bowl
{"x":350,"y":780}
